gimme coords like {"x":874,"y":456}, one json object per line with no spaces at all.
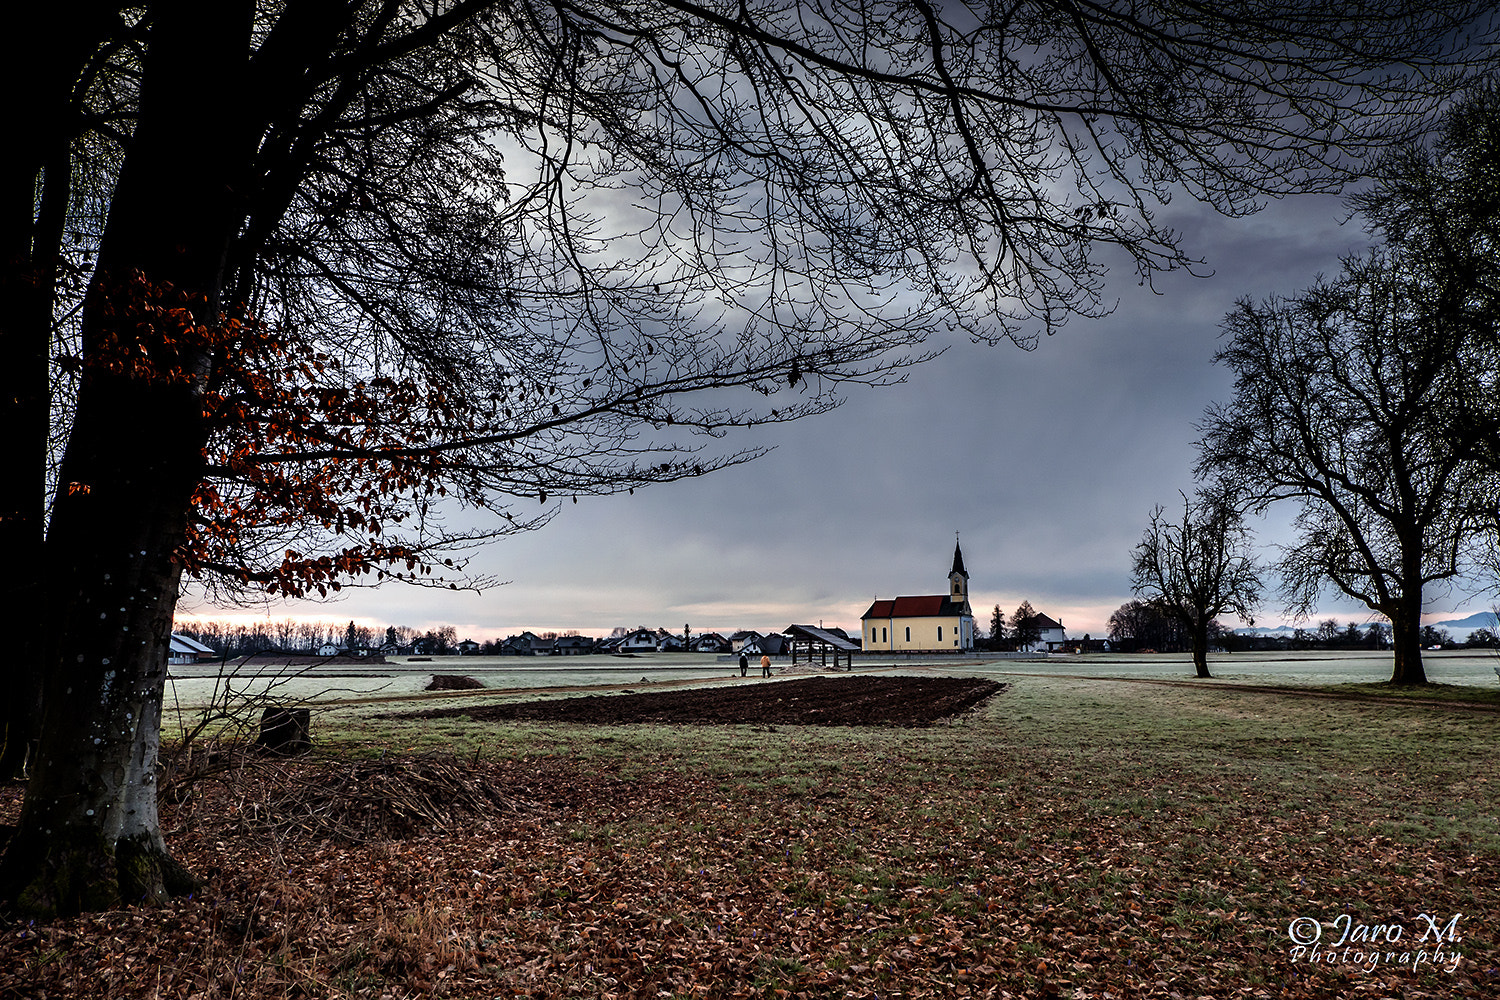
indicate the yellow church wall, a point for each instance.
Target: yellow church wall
{"x":891,"y":634}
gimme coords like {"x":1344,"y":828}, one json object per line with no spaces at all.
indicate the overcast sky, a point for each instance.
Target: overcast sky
{"x":1046,"y":461}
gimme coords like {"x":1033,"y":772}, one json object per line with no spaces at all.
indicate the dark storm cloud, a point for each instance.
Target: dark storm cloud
{"x":1047,"y":462}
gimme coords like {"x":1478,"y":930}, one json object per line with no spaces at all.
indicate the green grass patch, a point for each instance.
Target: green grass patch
{"x":1461,"y":693}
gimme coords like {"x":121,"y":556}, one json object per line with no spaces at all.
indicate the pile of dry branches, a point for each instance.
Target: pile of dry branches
{"x":370,"y":801}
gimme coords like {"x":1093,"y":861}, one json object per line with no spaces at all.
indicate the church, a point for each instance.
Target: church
{"x":929,"y":624}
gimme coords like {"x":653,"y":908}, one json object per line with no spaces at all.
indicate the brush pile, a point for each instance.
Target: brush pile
{"x":390,"y":799}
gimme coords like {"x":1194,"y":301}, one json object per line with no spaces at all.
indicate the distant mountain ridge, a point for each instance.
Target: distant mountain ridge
{"x":1458,"y":627}
{"x":1280,"y":631}
{"x":1480,"y":619}
{"x":1267,"y":630}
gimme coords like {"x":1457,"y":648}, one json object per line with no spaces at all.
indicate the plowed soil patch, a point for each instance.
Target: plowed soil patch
{"x":817,"y":701}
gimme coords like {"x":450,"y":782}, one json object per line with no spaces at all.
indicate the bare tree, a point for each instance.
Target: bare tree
{"x":1139,"y":625}
{"x":556,"y":241}
{"x":1343,"y":406}
{"x":1436,"y":209}
{"x":1199,"y":567}
{"x":1369,"y":400}
{"x":1328,"y":632}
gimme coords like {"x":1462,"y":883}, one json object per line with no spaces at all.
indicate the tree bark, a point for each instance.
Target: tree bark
{"x":1200,"y":648}
{"x":1406,"y":642}
{"x":89,"y":834}
{"x":25,"y":325}
{"x":45,"y":51}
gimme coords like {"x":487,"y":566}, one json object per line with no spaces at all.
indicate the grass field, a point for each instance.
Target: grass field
{"x":195,"y":685}
{"x":1077,"y":837}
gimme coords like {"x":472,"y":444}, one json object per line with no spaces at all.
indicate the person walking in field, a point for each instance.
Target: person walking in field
{"x":765,"y":665}
{"x":744,"y":664}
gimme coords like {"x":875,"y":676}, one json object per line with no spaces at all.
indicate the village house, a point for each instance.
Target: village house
{"x":710,"y":642}
{"x":641,"y":640}
{"x":1051,"y":638}
{"x":774,"y":644}
{"x":738,"y":641}
{"x":930,"y":623}
{"x":185,"y":650}
{"x":573,"y":645}
{"x":526,"y":644}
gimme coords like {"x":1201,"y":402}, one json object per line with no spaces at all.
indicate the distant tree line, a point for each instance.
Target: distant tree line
{"x":1377,"y":635}
{"x":234,"y":639}
{"x":1140,"y":626}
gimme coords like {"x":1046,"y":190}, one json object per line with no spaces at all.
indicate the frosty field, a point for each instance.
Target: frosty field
{"x":194,"y":686}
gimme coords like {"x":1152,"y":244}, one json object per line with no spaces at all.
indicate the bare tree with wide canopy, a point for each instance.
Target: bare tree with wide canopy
{"x":1198,"y":568}
{"x":1344,"y":404}
{"x":277,"y":277}
{"x":1368,"y":400}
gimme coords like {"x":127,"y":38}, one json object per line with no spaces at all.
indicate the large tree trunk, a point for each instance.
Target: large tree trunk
{"x":45,"y":50}
{"x":1200,"y":648}
{"x":1406,"y":641}
{"x":89,"y":835}
{"x":25,"y":313}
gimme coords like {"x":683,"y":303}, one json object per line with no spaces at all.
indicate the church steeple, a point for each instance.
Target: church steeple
{"x":958,"y":579}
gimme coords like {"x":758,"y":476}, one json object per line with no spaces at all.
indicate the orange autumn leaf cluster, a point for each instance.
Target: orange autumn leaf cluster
{"x":310,"y":470}
{"x":298,"y":441}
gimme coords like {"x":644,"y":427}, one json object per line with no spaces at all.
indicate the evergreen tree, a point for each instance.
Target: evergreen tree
{"x":1024,"y":629}
{"x":997,"y":628}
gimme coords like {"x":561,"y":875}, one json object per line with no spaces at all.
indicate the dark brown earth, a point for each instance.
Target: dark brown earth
{"x":817,"y":701}
{"x":453,"y":682}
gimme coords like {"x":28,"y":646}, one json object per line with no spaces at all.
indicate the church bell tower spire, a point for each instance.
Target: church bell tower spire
{"x":958,"y":578}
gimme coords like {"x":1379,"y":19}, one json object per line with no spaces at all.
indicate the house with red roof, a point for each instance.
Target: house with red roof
{"x":930,"y":623}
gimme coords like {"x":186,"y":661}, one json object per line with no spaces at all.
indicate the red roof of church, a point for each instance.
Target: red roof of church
{"x":931,"y":606}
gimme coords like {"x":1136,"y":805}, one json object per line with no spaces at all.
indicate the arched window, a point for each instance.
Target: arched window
{"x":908,"y":633}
